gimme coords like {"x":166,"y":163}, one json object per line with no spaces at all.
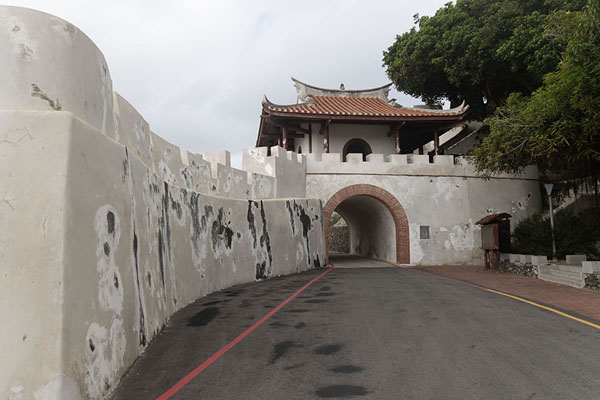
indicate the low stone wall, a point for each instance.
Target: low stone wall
{"x":525,"y":269}
{"x":592,"y":281}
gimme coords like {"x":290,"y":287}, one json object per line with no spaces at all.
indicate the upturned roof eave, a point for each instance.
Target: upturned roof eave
{"x":362,"y":117}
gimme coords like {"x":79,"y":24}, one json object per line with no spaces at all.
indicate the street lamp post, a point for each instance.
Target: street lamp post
{"x":548,"y":187}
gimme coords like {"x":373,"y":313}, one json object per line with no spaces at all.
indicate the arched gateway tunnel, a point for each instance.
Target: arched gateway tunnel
{"x":377,"y":223}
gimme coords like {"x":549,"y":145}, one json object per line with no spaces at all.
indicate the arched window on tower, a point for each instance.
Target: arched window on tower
{"x":357,"y":146}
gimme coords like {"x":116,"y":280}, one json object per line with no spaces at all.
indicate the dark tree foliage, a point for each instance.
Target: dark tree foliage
{"x":558,"y":126}
{"x":574,"y":234}
{"x":478,"y":49}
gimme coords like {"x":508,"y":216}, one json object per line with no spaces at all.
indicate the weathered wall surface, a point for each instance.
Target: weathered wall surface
{"x":105,"y":228}
{"x":287,"y":169}
{"x":447,"y":197}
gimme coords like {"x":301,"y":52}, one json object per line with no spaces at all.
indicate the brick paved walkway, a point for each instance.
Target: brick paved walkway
{"x":584,"y":302}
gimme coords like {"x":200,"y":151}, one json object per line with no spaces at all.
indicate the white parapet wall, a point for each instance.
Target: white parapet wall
{"x":106,"y":229}
{"x":287,"y":167}
{"x":444,"y":197}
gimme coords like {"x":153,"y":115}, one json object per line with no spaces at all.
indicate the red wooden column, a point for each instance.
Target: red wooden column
{"x":284,"y":137}
{"x":325,"y":132}
{"x":395,"y":130}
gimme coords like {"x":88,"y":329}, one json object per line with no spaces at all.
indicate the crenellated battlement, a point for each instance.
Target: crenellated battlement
{"x":287,"y":167}
{"x":400,"y":164}
{"x":210,"y":173}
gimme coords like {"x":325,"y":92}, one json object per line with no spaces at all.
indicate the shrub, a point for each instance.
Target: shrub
{"x":574,"y":234}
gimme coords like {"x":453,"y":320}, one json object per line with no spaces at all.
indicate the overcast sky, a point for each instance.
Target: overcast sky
{"x":197,"y":70}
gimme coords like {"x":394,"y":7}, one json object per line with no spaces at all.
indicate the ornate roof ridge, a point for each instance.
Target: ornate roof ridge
{"x":455,"y":110}
{"x":340,"y":90}
{"x":304,"y":92}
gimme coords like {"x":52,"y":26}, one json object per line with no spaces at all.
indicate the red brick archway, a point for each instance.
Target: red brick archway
{"x":392,"y":204}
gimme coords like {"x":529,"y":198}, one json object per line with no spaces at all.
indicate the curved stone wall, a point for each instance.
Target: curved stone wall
{"x":106,"y":229}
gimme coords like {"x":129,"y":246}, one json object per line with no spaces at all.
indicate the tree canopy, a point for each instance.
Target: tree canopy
{"x":558,"y":126}
{"x":479,"y":51}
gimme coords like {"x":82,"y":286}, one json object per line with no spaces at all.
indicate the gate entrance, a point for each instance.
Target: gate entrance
{"x":377,"y":223}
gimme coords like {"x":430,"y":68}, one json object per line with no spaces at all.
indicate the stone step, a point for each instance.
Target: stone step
{"x":578,"y":283}
{"x":565,"y":274}
{"x":568,"y":268}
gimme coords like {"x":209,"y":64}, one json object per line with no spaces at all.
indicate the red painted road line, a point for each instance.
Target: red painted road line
{"x":179,"y":385}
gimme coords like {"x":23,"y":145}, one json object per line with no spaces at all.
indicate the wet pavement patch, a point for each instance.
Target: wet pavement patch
{"x":245,"y":303}
{"x":315,"y":301}
{"x":326,"y":294}
{"x":328,"y":349}
{"x":280,"y":349}
{"x":298,"y":310}
{"x":204,"y":317}
{"x":346,"y":369}
{"x":212,"y":303}
{"x":300,"y":325}
{"x":326,"y":288}
{"x":279,"y":325}
{"x":336,"y":391}
{"x":294,"y":366}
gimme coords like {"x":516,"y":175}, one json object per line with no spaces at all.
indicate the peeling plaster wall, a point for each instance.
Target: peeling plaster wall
{"x":447,"y":197}
{"x":106,"y":229}
{"x":153,"y":248}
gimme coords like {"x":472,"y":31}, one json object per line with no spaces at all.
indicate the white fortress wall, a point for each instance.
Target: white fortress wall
{"x":105,"y":228}
{"x":288,"y":168}
{"x":445,"y":195}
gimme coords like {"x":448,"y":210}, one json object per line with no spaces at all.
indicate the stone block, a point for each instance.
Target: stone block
{"x":277,"y":151}
{"x":331,"y":158}
{"x":397,"y":159}
{"x":539,"y":260}
{"x":525,"y":258}
{"x":514,"y":258}
{"x":576,"y":259}
{"x":420,"y":159}
{"x":443,"y":160}
{"x":590,"y":267}
{"x":504,"y":256}
{"x":354,"y":158}
{"x":375,"y":158}
{"x":218,"y":157}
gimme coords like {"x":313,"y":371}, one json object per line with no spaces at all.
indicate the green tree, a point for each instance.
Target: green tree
{"x":558,"y":126}
{"x":476,"y":50}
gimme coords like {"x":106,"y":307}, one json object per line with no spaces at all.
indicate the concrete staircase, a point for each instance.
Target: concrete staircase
{"x":570,"y":275}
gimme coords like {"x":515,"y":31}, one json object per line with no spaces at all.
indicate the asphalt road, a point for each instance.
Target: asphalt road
{"x":372,"y":333}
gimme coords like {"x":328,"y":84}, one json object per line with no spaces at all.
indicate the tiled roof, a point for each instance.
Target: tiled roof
{"x":493,"y":218}
{"x":338,"y":106}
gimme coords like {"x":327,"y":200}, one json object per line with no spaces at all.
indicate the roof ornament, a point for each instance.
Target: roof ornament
{"x":305,"y":91}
